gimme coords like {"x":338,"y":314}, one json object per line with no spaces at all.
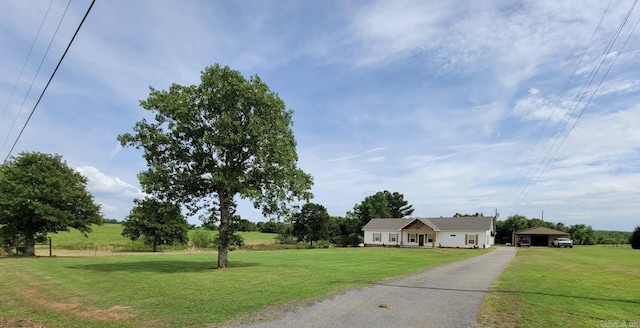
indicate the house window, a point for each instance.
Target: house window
{"x":429,"y":238}
{"x":377,"y":236}
{"x":393,"y":237}
{"x":412,"y":237}
{"x":472,"y":239}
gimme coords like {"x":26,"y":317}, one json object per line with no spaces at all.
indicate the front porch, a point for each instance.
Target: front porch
{"x":417,"y":234}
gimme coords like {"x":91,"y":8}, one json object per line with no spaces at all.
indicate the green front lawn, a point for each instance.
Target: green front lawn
{"x":587,"y":286}
{"x":184,"y":290}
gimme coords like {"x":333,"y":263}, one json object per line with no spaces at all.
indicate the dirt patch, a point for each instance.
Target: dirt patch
{"x":75,"y":307}
{"x":19,"y":323}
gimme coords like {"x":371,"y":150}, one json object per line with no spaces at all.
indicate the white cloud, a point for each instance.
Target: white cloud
{"x":102,"y":184}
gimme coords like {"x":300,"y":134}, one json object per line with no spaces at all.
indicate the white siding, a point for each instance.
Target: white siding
{"x":457,"y":239}
{"x":406,"y":238}
{"x":384,"y":237}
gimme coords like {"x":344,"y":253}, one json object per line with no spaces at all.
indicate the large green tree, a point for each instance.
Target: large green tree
{"x":156,"y":223}
{"x":374,"y":206}
{"x":634,"y":240}
{"x":398,"y":207}
{"x":228,"y":136}
{"x":582,"y":234}
{"x":383,"y":204}
{"x":41,"y":194}
{"x":311,"y":223}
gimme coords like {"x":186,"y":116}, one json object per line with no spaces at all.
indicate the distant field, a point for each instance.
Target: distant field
{"x":587,"y":286}
{"x":108,"y":237}
{"x":184,"y":290}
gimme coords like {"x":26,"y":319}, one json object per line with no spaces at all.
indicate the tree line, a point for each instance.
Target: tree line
{"x":581,"y":234}
{"x":312,"y":222}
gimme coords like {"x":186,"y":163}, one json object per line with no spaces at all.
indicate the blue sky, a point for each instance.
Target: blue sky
{"x":461,"y":106}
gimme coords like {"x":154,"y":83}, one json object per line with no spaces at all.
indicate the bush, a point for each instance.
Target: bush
{"x":202,"y":238}
{"x":322,"y":244}
{"x":635,"y":238}
{"x":286,"y":239}
{"x":234,"y":240}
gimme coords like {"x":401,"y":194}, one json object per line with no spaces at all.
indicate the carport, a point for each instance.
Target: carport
{"x":538,"y":236}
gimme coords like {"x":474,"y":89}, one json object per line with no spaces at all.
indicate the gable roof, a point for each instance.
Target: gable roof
{"x":541,"y":231}
{"x":437,"y":224}
{"x":464,"y":223}
{"x":386,"y":224}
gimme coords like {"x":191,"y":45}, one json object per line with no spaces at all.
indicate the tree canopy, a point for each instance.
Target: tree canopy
{"x":228,"y":136}
{"x":634,"y":240}
{"x":156,"y":223}
{"x":383,"y":204}
{"x":398,"y":207}
{"x":311,"y":223}
{"x":41,"y":194}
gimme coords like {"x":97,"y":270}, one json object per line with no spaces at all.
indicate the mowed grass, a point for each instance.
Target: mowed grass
{"x":184,"y":290}
{"x":587,"y":286}
{"x":108,"y":237}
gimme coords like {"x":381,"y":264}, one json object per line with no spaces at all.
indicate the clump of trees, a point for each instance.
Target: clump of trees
{"x":581,"y":234}
{"x":156,"y":223}
{"x":41,"y":194}
{"x":313,"y":224}
{"x":634,"y":239}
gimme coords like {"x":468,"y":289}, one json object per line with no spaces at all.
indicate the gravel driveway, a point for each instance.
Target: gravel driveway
{"x":446,"y":296}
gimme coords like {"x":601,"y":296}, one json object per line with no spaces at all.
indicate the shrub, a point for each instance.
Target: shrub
{"x":234,"y":240}
{"x":635,"y":238}
{"x":202,"y":238}
{"x":322,"y":244}
{"x":286,"y":239}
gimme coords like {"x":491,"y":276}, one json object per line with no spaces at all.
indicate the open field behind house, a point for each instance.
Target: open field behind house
{"x":108,"y":238}
{"x":587,"y":286}
{"x":184,"y":290}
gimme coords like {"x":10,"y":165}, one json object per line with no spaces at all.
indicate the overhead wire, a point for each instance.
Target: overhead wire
{"x":26,"y":96}
{"x":24,"y":64}
{"x":522,"y":177}
{"x":595,"y":91}
{"x":544,"y":164}
{"x":51,"y":78}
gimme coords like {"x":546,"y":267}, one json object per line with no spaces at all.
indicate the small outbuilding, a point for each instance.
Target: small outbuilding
{"x":538,"y":236}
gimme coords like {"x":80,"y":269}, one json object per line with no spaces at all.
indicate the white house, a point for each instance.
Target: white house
{"x":463,"y":232}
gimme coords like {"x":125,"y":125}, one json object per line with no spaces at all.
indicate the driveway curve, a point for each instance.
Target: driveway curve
{"x":445,"y":296}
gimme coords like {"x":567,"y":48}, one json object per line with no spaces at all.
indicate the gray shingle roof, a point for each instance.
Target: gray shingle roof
{"x":386,"y":224}
{"x":463,"y":224}
{"x":541,"y":231}
{"x":438,"y":224}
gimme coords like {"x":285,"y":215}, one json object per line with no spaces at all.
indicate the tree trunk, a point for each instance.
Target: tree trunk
{"x":29,"y":245}
{"x":155,"y":246}
{"x":223,"y":237}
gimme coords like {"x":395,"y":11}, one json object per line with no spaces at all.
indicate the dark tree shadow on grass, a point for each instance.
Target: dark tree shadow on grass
{"x":514,"y":292}
{"x":159,"y":266}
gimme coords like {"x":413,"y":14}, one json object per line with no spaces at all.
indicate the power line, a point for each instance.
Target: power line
{"x":15,"y":85}
{"x":50,"y":79}
{"x":522,"y":177}
{"x":580,"y":96}
{"x":33,"y":80}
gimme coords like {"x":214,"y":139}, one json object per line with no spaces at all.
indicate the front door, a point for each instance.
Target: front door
{"x":420,"y":240}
